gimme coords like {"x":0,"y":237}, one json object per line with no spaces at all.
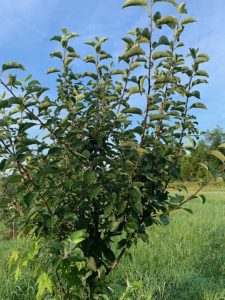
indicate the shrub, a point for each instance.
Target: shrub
{"x":91,"y":171}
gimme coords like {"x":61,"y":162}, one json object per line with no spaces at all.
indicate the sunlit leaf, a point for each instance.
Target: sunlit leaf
{"x":12,"y":65}
{"x":128,"y":3}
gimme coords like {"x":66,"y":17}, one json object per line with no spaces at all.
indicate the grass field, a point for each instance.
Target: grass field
{"x":185,"y":260}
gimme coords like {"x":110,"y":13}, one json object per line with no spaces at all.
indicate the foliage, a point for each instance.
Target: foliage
{"x":169,"y":267}
{"x":215,"y":137}
{"x":219,"y":155}
{"x":90,"y":170}
{"x":201,"y":153}
{"x":190,"y":168}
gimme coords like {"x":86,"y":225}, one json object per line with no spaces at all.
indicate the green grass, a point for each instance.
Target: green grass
{"x":23,"y":289}
{"x":185,"y":260}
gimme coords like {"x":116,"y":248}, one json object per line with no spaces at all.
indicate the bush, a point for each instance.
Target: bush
{"x":91,"y":171}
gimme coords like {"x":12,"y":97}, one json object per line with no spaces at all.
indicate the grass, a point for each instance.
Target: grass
{"x":23,"y":289}
{"x":184,"y":261}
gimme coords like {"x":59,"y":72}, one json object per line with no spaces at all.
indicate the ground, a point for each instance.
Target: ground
{"x":183,"y":261}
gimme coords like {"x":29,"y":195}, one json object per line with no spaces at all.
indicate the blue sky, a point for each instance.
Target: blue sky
{"x":27,"y":25}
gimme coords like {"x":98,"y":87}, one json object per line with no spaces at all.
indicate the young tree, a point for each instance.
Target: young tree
{"x":91,"y":172}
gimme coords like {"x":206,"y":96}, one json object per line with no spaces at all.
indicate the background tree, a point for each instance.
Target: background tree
{"x":215,"y":137}
{"x":190,"y":168}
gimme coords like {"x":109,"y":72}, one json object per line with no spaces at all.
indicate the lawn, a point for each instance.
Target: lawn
{"x":185,"y":260}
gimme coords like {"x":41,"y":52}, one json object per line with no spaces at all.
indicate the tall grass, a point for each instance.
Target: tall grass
{"x":10,"y":289}
{"x":184,"y":261}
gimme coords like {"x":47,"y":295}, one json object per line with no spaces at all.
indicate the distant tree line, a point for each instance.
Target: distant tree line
{"x":189,"y":163}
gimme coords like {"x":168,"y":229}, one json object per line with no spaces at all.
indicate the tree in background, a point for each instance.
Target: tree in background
{"x":190,"y":168}
{"x":189,"y":163}
{"x":215,"y":137}
{"x":89,"y":181}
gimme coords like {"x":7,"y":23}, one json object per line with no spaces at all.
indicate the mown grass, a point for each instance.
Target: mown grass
{"x":184,"y":261}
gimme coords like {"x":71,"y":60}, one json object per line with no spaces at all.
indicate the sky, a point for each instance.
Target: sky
{"x":26,"y":27}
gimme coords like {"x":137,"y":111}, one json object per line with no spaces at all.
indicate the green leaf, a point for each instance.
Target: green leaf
{"x":169,"y":1}
{"x":90,"y":74}
{"x":133,"y":110}
{"x":91,"y":178}
{"x":203,"y":56}
{"x":182,"y":9}
{"x":2,"y":164}
{"x":44,"y":284}
{"x":198,"y":105}
{"x":128,"y":144}
{"x":64,"y":30}
{"x":45,"y":104}
{"x":80,"y":97}
{"x":68,"y":60}
{"x":199,"y":81}
{"x":218,"y":155}
{"x":129,"y":3}
{"x":4,"y":104}
{"x":13,"y":179}
{"x":54,"y":150}
{"x":90,"y":59}
{"x":167,"y":20}
{"x":3,"y":123}
{"x":53,"y":70}
{"x":72,"y":35}
{"x":201,"y":60}
{"x":23,"y":127}
{"x":114,"y":225}
{"x":141,"y":83}
{"x":196,"y":94}
{"x":77,"y":237}
{"x":164,"y":219}
{"x":105,"y":56}
{"x":202,"y":73}
{"x":155,"y":117}
{"x":190,"y":211}
{"x":135,"y":50}
{"x":133,"y":90}
{"x":157,"y":16}
{"x":90,"y":43}
{"x":91,"y":264}
{"x":188,"y":20}
{"x":160,"y":54}
{"x":135,"y":65}
{"x":146,"y":35}
{"x":202,"y":198}
{"x":163,"y":40}
{"x":12,"y":65}
{"x":222,"y":146}
{"x":57,"y":38}
{"x":204,"y":166}
{"x":181,"y":44}
{"x":103,"y":40}
{"x":118,"y":72}
{"x":164,"y":79}
{"x":57,"y":54}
